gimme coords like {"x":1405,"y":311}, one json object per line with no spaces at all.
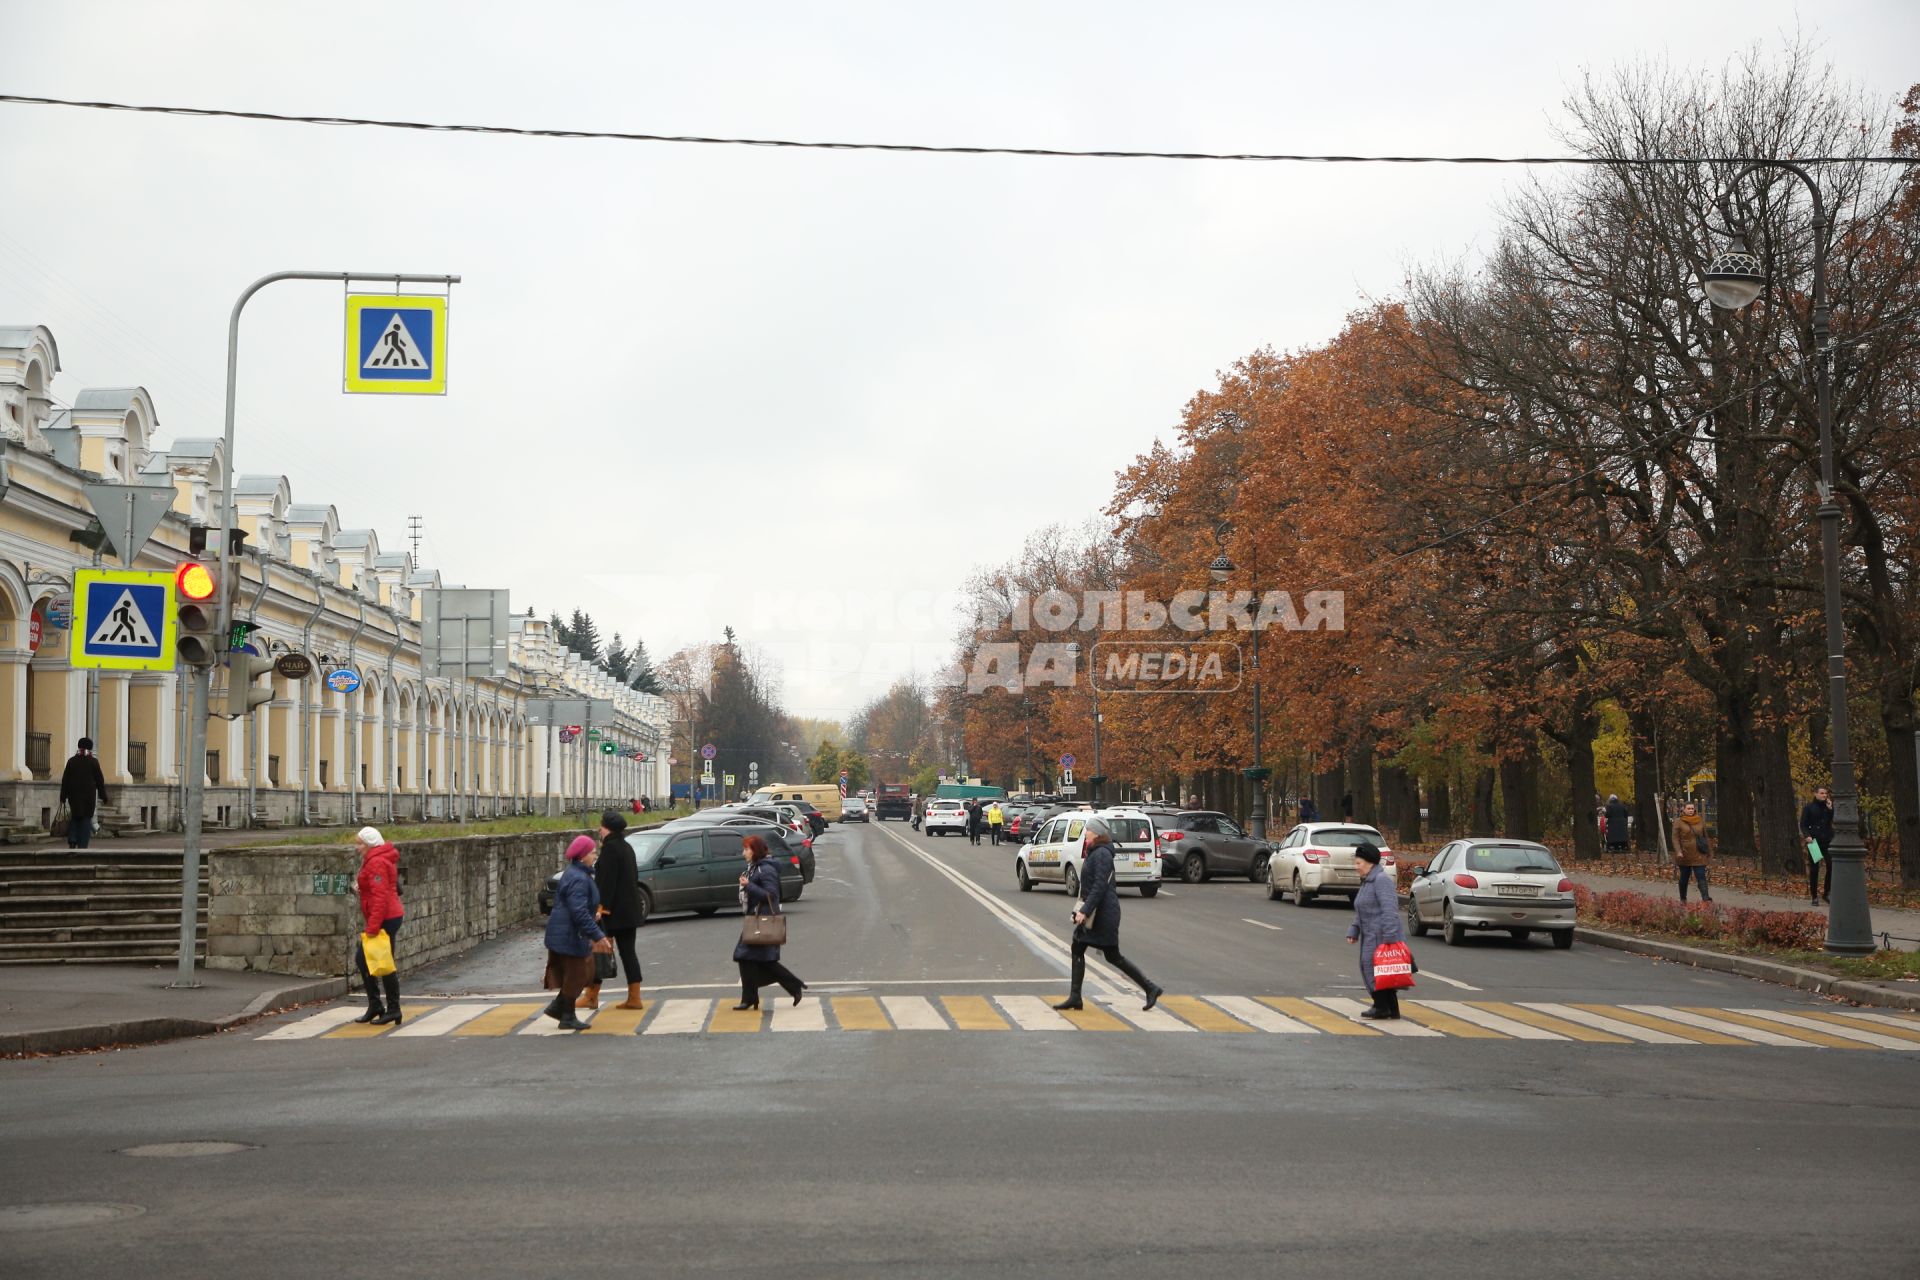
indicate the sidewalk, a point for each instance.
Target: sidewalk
{"x":1903,"y":927}
{"x":57,"y":1007}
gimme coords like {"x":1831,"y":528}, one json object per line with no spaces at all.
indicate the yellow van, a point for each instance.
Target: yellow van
{"x":824,"y":796}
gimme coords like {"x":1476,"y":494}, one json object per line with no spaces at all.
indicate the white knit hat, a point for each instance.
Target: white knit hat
{"x":369,"y":836}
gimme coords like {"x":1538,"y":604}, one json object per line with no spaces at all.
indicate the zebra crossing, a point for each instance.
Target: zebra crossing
{"x":1642,"y":1024}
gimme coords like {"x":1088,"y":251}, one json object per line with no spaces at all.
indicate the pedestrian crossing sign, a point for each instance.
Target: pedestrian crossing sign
{"x":396,"y":345}
{"x":122,"y":620}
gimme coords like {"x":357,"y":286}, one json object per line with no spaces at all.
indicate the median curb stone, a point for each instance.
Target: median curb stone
{"x":1883,"y":995}
{"x":132,"y":1031}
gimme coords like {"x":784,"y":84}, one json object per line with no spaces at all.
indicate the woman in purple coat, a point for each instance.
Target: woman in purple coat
{"x":1376,"y":919}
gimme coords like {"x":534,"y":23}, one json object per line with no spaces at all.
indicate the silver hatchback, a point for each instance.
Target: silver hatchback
{"x":1492,"y":883}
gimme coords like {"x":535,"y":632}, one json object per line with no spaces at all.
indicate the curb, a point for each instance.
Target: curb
{"x":1867,"y":993}
{"x":135,"y":1031}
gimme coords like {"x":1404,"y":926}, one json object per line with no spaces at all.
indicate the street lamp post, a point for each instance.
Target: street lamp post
{"x":1733,"y":280}
{"x":1220,"y":570}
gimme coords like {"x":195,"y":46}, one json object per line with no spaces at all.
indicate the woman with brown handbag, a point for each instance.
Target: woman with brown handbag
{"x":759,"y":958}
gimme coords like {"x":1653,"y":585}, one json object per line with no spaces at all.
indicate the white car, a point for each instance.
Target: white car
{"x":1054,"y":855}
{"x":1492,"y":883}
{"x":1317,"y":858}
{"x":943,"y":816}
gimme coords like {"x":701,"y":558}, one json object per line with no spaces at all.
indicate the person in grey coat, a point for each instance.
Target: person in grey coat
{"x":1376,"y":919}
{"x":1096,"y":920}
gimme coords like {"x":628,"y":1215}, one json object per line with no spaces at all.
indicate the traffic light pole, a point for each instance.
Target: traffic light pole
{"x":202,"y":677}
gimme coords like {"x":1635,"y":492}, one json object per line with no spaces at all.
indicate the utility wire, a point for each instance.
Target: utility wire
{"x":1051,"y":153}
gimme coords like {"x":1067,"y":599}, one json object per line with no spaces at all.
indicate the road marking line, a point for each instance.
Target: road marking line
{"x":678,"y":1018}
{"x":443,"y":1021}
{"x":1902,"y":1026}
{"x":545,"y":1026}
{"x":364,"y":1030}
{"x":1738,"y":1031}
{"x":1261,"y":924}
{"x":1093,"y":1018}
{"x":1452,"y":982}
{"x":808,"y":1015}
{"x":1566,"y":1030}
{"x":1201,"y":1014}
{"x":1386,"y":1026}
{"x":1494,"y":1022}
{"x":859,"y":1013}
{"x":1686,"y":1031}
{"x":1601,"y":1022}
{"x":313,"y":1024}
{"x":1258,"y":1015}
{"x":973,"y":1013}
{"x":615,"y":1021}
{"x":1316,"y":1017}
{"x":1746,"y":1019}
{"x":1428,"y":1015}
{"x":913,"y":1013}
{"x":499,"y":1021}
{"x":1031,"y":1013}
{"x":1145,"y":1019}
{"x":728,"y":1019}
{"x":1852,"y":1033}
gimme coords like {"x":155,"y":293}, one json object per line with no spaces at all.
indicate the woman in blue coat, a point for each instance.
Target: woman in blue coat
{"x":1096,"y":920}
{"x":1376,"y":919}
{"x":573,"y":935}
{"x":760,"y":896}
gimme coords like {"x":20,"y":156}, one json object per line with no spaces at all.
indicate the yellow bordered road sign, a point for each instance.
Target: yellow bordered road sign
{"x":396,"y":344}
{"x":122,"y":620}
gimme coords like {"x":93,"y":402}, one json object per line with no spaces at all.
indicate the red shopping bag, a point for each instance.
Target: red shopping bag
{"x":1392,"y":966}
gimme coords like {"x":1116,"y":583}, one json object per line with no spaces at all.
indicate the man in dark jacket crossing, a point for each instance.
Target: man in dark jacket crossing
{"x":1096,"y":919}
{"x":617,"y":876}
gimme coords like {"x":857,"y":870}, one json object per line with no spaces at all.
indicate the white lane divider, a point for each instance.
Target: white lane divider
{"x":545,"y":1026}
{"x":1831,"y":1028}
{"x":441,"y":1021}
{"x":1494,"y":1022}
{"x":1261,"y":924}
{"x":1031,"y":1013}
{"x":913,"y":1013}
{"x":1738,"y":1030}
{"x":1600,"y":1022}
{"x":680,"y":1018}
{"x":1353,"y":1009}
{"x":1452,"y":982}
{"x":316,"y":1025}
{"x":1255,"y":1014}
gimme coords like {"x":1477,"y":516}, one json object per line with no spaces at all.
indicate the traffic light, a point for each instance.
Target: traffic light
{"x":194,"y":590}
{"x":242,"y":670}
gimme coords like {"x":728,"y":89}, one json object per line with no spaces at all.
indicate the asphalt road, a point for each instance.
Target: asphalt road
{"x":1042,"y":1152}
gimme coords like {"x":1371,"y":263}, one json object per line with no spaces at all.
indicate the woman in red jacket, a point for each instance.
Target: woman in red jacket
{"x":379,"y":886}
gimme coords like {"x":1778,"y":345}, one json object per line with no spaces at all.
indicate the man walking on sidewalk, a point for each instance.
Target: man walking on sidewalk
{"x":1816,"y":829}
{"x":80,"y":783}
{"x":1691,"y":851}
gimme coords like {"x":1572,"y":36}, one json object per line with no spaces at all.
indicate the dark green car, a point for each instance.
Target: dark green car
{"x":697,"y":869}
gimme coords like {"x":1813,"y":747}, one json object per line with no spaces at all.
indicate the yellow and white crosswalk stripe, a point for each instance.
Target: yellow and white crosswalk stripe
{"x":1801,"y":1027}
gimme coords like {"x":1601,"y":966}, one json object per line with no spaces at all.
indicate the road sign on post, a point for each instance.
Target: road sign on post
{"x":129,"y":513}
{"x":397,"y":345}
{"x":123,"y":620}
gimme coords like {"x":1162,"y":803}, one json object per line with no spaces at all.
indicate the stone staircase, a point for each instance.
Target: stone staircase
{"x":91,"y":906}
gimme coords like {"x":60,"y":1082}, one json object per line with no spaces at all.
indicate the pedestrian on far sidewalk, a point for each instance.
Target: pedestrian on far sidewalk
{"x":1614,"y":824}
{"x":380,"y":908}
{"x":1376,"y":919}
{"x":760,"y":896}
{"x":1096,"y":918}
{"x":573,"y":935}
{"x":616,"y":873}
{"x":918,"y":805}
{"x":1309,"y":811}
{"x":80,"y":783}
{"x":1816,"y":827}
{"x":1692,"y":850}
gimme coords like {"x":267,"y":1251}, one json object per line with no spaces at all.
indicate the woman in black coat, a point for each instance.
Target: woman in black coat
{"x":760,"y":896}
{"x":1096,"y":918}
{"x":80,"y":782}
{"x":617,"y":875}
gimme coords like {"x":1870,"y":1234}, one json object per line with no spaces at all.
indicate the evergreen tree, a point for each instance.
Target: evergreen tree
{"x":561,"y":631}
{"x":618,"y":663}
{"x":645,"y":679}
{"x":585,"y":636}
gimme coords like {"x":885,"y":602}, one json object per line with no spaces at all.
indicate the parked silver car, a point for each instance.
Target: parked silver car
{"x":1492,"y":883}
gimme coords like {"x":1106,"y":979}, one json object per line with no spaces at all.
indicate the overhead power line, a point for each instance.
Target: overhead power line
{"x":1050,"y":153}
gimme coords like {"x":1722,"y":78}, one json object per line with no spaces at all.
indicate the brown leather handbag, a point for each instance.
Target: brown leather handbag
{"x":764,"y":931}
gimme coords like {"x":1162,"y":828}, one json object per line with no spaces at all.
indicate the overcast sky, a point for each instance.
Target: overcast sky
{"x":799,"y":393}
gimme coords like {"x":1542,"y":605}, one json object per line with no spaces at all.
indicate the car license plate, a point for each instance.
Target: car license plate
{"x":1517,"y":890}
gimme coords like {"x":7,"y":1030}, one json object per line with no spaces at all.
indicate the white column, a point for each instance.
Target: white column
{"x":13,"y":717}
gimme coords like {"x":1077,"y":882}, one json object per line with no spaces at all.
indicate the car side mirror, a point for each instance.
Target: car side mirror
{"x":666,"y":860}
{"x":1420,"y":871}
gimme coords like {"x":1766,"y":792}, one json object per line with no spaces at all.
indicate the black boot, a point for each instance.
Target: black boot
{"x":1071,"y":1002}
{"x":374,"y":1009}
{"x":1153,"y":997}
{"x":560,"y":1010}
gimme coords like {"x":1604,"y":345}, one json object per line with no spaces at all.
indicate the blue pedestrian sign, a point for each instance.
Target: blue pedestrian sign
{"x":123,"y":620}
{"x":396,"y":344}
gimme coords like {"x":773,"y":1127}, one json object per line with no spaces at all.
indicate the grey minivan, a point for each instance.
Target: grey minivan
{"x":695,"y":869}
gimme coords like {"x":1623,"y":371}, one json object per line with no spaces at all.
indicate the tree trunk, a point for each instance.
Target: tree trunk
{"x":1898,"y":720}
{"x":1733,"y":776}
{"x":1360,"y":780}
{"x":1646,"y":783}
{"x":1519,"y":814}
{"x":1440,"y":807}
{"x":1481,"y":823}
{"x":1409,"y":806}
{"x":1391,"y":788}
{"x":1775,"y":815}
{"x":1328,"y":787}
{"x":1580,"y":780}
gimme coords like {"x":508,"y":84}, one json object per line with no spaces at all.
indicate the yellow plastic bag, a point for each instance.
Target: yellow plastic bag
{"x":379,"y":952}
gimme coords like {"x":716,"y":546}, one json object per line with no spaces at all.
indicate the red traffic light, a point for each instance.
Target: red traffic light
{"x":193,"y":581}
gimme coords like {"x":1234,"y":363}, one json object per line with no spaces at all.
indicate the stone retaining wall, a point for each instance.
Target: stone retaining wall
{"x":286,"y":909}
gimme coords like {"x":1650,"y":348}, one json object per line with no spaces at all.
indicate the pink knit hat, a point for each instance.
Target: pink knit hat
{"x":580,"y":848}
